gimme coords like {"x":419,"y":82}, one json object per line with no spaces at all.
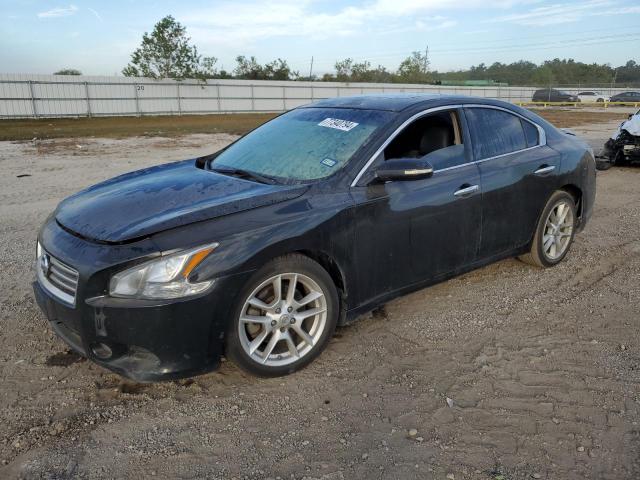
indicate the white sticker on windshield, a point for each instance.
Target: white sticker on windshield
{"x":344,"y":125}
{"x":329,"y":162}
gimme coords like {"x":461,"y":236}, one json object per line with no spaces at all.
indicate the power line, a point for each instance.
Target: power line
{"x":625,"y":38}
{"x":575,"y":42}
{"x":582,"y":41}
{"x":480,"y":42}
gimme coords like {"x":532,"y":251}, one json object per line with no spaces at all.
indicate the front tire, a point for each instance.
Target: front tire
{"x":284,"y":318}
{"x":554,"y":233}
{"x":619,"y":159}
{"x":603,"y":164}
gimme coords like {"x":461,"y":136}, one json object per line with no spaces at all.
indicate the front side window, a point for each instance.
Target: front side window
{"x":436,"y":137}
{"x":304,"y":144}
{"x":495,"y":132}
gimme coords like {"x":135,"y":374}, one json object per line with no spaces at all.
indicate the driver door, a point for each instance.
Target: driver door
{"x":419,"y":230}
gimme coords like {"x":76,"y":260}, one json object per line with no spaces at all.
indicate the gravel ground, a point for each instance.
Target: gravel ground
{"x":508,"y":372}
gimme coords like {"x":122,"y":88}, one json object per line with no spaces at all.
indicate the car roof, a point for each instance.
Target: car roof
{"x":397,"y":102}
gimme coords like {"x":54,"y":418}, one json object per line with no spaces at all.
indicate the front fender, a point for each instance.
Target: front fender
{"x":248,"y":240}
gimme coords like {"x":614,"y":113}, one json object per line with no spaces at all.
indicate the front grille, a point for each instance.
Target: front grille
{"x":57,"y":277}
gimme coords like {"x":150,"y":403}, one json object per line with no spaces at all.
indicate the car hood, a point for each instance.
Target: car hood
{"x":148,"y":201}
{"x":632,"y":126}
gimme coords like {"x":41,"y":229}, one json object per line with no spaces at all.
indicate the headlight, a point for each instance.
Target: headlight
{"x":166,"y":277}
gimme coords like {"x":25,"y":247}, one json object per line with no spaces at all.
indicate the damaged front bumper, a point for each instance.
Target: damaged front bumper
{"x":144,"y":342}
{"x":140,"y":339}
{"x":624,"y":146}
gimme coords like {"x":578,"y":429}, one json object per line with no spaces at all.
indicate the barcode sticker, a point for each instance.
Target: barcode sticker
{"x":344,"y":125}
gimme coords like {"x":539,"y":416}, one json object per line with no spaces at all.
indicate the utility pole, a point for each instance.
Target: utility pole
{"x":426,"y":59}
{"x":311,"y":69}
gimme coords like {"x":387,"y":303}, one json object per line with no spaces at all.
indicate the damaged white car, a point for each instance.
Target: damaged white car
{"x":624,"y":145}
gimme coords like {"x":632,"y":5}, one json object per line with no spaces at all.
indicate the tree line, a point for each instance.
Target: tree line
{"x":167,"y":52}
{"x":551,"y":72}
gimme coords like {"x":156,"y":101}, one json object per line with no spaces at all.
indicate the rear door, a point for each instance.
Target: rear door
{"x":518,"y":174}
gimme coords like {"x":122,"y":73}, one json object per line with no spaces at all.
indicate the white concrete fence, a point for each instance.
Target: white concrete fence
{"x":45,"y":96}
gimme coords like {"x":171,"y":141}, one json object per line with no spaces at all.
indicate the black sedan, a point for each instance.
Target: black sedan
{"x":259,"y":250}
{"x":553,"y":95}
{"x":626,"y":97}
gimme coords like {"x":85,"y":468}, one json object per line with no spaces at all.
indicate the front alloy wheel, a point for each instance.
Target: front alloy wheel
{"x":283,"y":318}
{"x":287,"y":315}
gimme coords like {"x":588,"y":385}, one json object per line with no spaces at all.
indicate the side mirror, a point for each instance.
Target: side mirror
{"x":404,"y":169}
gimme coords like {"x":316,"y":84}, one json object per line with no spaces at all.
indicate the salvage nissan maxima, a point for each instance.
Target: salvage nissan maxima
{"x":259,"y":250}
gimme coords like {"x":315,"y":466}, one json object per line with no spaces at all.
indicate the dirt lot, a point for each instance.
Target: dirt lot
{"x":238,"y":123}
{"x":121,"y":127}
{"x":509,"y":372}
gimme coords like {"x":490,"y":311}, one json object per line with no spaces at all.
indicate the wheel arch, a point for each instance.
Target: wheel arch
{"x":336,"y":273}
{"x":576,"y":193}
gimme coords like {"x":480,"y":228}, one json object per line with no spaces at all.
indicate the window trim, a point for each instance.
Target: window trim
{"x":542,"y":136}
{"x":395,"y":133}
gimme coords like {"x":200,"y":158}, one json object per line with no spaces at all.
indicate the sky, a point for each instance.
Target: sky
{"x":97,"y":37}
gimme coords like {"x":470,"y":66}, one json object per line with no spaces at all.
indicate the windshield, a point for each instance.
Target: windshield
{"x":304,"y":144}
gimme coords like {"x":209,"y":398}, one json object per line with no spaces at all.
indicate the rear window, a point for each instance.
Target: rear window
{"x":495,"y":132}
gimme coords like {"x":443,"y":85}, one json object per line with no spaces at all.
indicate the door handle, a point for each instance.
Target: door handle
{"x":544,"y":170}
{"x":466,"y":191}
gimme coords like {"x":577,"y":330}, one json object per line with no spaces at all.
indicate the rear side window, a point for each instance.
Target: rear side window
{"x":495,"y":132}
{"x":530,"y":133}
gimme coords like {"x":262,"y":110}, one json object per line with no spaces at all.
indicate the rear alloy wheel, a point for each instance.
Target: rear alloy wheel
{"x":286,"y":317}
{"x":555,"y":231}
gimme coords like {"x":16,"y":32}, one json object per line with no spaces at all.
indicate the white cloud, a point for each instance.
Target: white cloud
{"x":238,"y":24}
{"x":59,"y":12}
{"x":97,"y":15}
{"x":617,"y":11}
{"x":565,"y":13}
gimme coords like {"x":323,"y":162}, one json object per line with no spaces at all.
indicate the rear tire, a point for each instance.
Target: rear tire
{"x":276,"y":330}
{"x":554,"y":232}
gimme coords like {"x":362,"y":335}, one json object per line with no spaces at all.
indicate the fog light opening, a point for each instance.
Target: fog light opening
{"x":102,"y":351}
